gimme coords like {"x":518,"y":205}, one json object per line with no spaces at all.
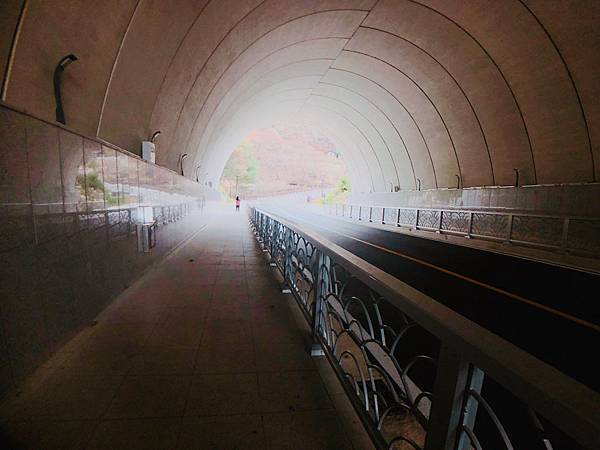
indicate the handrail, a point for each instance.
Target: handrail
{"x":496,"y":211}
{"x":568,"y":404}
{"x":550,"y":231}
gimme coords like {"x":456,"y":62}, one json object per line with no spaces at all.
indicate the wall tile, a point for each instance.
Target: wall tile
{"x":94,"y":176}
{"x":46,"y":180}
{"x":55,"y":284}
{"x":14,"y":173}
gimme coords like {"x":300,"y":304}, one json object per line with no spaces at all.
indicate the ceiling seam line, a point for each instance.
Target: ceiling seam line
{"x":426,"y":96}
{"x":342,"y":49}
{"x":256,"y":81}
{"x":485,"y":141}
{"x":173,"y":56}
{"x":114,"y":66}
{"x":376,"y":130}
{"x":263,"y":59}
{"x":388,"y":119}
{"x":243,"y":52}
{"x":581,"y":108}
{"x":355,"y":127}
{"x":407,"y":112}
{"x":365,"y":137}
{"x":418,"y":3}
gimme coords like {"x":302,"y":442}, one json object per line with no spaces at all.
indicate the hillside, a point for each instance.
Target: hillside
{"x":280,"y":159}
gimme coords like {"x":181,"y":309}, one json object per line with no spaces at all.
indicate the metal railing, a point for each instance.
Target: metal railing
{"x":413,"y":368}
{"x":579,"y":235}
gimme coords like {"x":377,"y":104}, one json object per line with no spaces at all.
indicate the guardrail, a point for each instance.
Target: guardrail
{"x":413,"y":368}
{"x":580,"y":235}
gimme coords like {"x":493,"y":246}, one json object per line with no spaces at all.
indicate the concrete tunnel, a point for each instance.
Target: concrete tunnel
{"x":470,"y":104}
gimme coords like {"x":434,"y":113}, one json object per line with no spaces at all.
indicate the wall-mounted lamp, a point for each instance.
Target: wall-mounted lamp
{"x":457,"y":181}
{"x":516,"y":177}
{"x":58,"y":71}
{"x":181,"y":158}
{"x":197,"y":177}
{"x":154,"y":135}
{"x":418,"y":184}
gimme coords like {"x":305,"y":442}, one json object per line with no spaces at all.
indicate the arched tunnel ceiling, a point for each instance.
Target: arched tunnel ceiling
{"x":433,"y":93}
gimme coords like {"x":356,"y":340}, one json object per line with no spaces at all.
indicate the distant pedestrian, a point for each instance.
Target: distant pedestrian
{"x":237,"y":203}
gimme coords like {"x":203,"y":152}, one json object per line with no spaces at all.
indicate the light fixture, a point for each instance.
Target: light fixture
{"x":58,"y":71}
{"x":181,"y":158}
{"x":154,"y":135}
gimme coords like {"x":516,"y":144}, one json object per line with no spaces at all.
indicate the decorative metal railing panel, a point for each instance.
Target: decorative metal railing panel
{"x":584,"y":235}
{"x":456,"y":221}
{"x":398,"y":354}
{"x":407,"y":217}
{"x":429,"y":219}
{"x":377,"y":214}
{"x":543,"y":230}
{"x":580,"y":235}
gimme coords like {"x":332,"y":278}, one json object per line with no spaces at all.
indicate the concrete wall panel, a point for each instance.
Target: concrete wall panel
{"x":522,"y":51}
{"x":476,"y":89}
{"x":154,"y":35}
{"x":441,"y":92}
{"x":90,"y":30}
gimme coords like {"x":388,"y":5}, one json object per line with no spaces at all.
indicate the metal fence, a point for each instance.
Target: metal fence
{"x":413,"y":368}
{"x":579,"y":235}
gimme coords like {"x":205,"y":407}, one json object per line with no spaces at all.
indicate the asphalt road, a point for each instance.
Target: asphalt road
{"x":550,"y":311}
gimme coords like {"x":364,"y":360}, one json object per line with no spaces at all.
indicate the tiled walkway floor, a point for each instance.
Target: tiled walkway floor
{"x":203,"y":352}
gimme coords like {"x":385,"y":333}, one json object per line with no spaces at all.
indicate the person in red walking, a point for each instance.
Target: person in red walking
{"x":237,"y":203}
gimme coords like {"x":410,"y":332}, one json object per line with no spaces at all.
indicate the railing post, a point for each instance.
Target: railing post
{"x":287,"y":261}
{"x":509,"y":228}
{"x":470,"y":408}
{"x":417,"y":219}
{"x":446,"y":409}
{"x":398,"y":217}
{"x":564,"y":242}
{"x":370,"y":214}
{"x":470,"y":227}
{"x":360,"y":213}
{"x":439,"y":230}
{"x":383,"y":215}
{"x":320,"y":292}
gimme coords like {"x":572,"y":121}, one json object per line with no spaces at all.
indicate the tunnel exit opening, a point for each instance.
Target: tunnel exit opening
{"x":284,"y":159}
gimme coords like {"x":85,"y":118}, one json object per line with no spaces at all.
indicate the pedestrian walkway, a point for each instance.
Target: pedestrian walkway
{"x":203,"y":352}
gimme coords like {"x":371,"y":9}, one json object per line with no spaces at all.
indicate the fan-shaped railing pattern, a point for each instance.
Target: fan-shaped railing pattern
{"x":416,"y":372}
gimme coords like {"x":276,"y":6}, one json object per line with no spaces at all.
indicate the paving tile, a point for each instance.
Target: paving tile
{"x":282,"y":354}
{"x":292,"y":391}
{"x":226,"y":357}
{"x":226,"y":330}
{"x":330,"y":379}
{"x":102,"y":359}
{"x":163,"y":359}
{"x":314,"y":430}
{"x":238,"y":432}
{"x":150,"y":396}
{"x":68,"y":397}
{"x":132,"y":434}
{"x":45,"y":434}
{"x":223,"y":394}
{"x":351,"y":423}
{"x":211,"y":339}
{"x":175,"y":332}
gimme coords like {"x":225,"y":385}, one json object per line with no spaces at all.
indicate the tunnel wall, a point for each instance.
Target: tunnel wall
{"x":69,"y":243}
{"x":434,"y":92}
